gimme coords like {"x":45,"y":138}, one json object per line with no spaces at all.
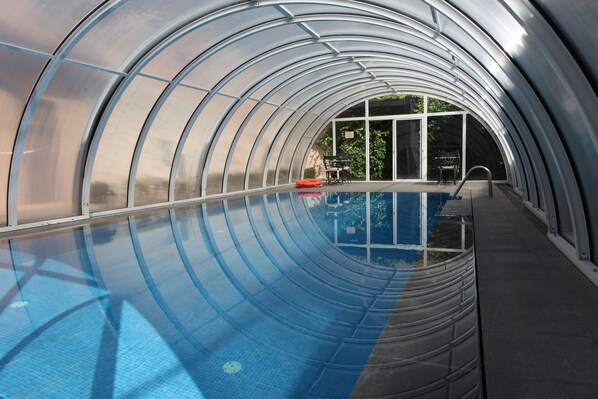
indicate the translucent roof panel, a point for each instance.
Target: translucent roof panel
{"x":51,"y":169}
{"x":357,"y":48}
{"x":246,"y":138}
{"x":196,"y":146}
{"x":307,"y":66}
{"x":219,"y":65}
{"x":225,"y":136}
{"x":205,"y":35}
{"x":27,"y":23}
{"x":20,"y":73}
{"x":155,"y":163}
{"x":416,"y":9}
{"x":261,"y":148}
{"x":113,"y":44}
{"x":320,"y":77}
{"x":275,"y":64}
{"x":111,"y":168}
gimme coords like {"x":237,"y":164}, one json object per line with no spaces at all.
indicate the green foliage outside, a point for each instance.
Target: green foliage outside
{"x":355,"y":148}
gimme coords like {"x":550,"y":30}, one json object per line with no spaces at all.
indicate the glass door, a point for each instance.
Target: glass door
{"x":407,"y":149}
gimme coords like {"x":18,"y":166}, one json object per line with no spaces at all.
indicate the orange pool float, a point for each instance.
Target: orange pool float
{"x":308,"y":183}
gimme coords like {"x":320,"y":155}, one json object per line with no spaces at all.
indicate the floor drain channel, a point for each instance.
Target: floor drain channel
{"x":231,"y":367}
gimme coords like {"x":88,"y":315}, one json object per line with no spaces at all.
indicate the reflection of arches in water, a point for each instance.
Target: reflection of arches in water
{"x":289,"y":277}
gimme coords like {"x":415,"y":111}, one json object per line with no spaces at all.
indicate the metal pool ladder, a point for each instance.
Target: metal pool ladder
{"x":467,"y":175}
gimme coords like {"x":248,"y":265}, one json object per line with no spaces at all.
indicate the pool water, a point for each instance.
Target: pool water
{"x":272,"y":296}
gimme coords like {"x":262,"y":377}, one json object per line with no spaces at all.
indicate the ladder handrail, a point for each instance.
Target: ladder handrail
{"x":467,"y":175}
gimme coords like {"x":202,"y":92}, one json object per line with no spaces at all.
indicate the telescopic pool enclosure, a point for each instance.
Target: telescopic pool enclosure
{"x":110,"y":106}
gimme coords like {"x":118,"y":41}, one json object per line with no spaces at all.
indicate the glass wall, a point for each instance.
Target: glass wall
{"x":350,"y":141}
{"x":404,"y":139}
{"x":408,"y":149}
{"x":445,"y":134}
{"x":381,"y":150}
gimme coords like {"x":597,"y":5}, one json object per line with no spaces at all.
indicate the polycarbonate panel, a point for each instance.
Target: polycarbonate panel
{"x":219,"y":65}
{"x":196,"y":147}
{"x":414,"y":9}
{"x":409,"y":47}
{"x":365,"y":28}
{"x":133,"y":27}
{"x":470,"y":44}
{"x":258,"y":164}
{"x":176,"y":56}
{"x":577,"y":23}
{"x":222,"y":145}
{"x":503,"y":28}
{"x":332,"y":95}
{"x":40,"y":24}
{"x":316,"y":50}
{"x":286,"y":174}
{"x":51,"y":170}
{"x":293,"y":86}
{"x":267,"y":67}
{"x":275,"y":150}
{"x":327,"y":88}
{"x":574,"y":134}
{"x":155,"y":164}
{"x":110,"y":174}
{"x":303,"y":148}
{"x":310,"y":9}
{"x":19,"y":73}
{"x":240,"y":154}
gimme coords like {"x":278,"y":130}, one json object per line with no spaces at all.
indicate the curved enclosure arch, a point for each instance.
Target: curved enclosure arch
{"x":116,"y":105}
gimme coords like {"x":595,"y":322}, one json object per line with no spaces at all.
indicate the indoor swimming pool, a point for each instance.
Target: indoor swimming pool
{"x":284,"y":295}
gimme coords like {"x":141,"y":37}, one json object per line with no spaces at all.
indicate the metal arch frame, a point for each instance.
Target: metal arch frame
{"x":59,"y":55}
{"x":571,"y":77}
{"x":277,"y":170}
{"x":321,"y":81}
{"x":492,"y":89}
{"x":205,"y":101}
{"x":333,"y":63}
{"x":288,"y":121}
{"x":284,"y":105}
{"x":216,"y":135}
{"x":184,"y":137}
{"x":286,"y":137}
{"x":325,"y":18}
{"x":173,"y":85}
{"x":273,"y":91}
{"x":133,"y":72}
{"x":265,"y":81}
{"x":542,"y":119}
{"x":262,"y":132}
